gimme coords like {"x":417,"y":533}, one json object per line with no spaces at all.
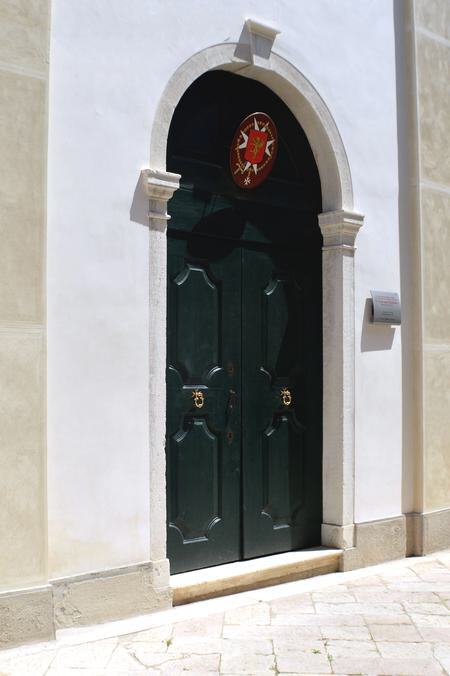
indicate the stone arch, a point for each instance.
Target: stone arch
{"x":293,"y":88}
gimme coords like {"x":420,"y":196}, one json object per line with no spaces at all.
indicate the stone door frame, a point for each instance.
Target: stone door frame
{"x":339,"y":224}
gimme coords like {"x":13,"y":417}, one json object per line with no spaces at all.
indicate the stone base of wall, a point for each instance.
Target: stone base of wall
{"x":428,"y":532}
{"x":110,"y":595}
{"x":26,"y":616}
{"x":31,"y":615}
{"x":390,"y":539}
{"x":376,"y":542}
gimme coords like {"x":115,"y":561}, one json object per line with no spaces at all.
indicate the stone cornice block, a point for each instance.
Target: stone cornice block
{"x":261,"y":29}
{"x":159,"y":186}
{"x":260,"y":41}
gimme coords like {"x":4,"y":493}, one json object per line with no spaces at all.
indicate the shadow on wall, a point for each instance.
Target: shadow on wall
{"x":139,"y":206}
{"x":375,"y":336}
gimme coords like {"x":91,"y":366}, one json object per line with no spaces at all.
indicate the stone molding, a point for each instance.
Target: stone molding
{"x":339,"y":229}
{"x":291,"y":85}
{"x":261,"y":29}
{"x":159,"y":187}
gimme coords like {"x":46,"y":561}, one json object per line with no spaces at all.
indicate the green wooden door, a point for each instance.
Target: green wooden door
{"x":244,"y":372}
{"x":244,"y":464}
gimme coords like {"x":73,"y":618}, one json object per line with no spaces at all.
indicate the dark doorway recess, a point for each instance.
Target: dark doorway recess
{"x":244,"y":337}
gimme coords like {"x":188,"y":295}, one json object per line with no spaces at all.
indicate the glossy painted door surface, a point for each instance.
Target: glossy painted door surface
{"x":203,"y":387}
{"x":243,"y":469}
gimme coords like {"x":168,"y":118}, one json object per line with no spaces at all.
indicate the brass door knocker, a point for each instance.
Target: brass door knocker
{"x":286,"y":396}
{"x":198,"y":397}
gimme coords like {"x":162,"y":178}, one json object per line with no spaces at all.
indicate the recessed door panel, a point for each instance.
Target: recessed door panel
{"x":282,"y":470}
{"x":197,"y":306}
{"x":195,"y":512}
{"x":281,"y":324}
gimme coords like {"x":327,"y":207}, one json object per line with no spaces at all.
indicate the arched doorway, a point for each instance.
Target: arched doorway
{"x":244,"y":469}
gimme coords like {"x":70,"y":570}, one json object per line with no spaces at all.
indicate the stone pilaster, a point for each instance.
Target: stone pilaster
{"x":159,"y":186}
{"x":339,"y":230}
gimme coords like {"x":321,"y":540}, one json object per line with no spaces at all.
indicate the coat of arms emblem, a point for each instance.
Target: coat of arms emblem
{"x":253,"y":150}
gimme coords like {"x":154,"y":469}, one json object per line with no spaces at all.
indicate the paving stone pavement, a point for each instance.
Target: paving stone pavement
{"x":388,"y":619}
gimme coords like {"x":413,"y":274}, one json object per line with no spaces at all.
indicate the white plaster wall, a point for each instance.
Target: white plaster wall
{"x":110,"y":62}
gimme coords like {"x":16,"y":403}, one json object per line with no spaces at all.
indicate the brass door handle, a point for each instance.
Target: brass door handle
{"x":286,"y":396}
{"x":199,"y":398}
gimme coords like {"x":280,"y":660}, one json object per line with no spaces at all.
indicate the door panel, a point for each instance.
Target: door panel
{"x":203,"y":443}
{"x":195,"y":513}
{"x":281,"y":461}
{"x":197,"y":352}
{"x":282,"y":470}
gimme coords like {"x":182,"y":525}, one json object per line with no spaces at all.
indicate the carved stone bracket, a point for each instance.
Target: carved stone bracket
{"x":159,"y":187}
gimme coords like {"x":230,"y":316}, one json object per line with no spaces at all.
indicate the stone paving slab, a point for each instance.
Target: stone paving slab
{"x":392,"y":619}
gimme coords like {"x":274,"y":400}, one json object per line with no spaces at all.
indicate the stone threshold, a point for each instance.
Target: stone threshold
{"x":241,"y":576}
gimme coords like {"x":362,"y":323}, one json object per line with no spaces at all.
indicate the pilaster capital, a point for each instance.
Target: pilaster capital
{"x":339,"y":228}
{"x":159,"y":186}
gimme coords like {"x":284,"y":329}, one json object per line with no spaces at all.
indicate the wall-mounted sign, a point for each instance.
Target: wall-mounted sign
{"x":253,"y":151}
{"x":386,"y":308}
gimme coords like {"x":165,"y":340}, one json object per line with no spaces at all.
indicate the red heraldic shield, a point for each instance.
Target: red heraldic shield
{"x":256,"y":146}
{"x":253,"y":150}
